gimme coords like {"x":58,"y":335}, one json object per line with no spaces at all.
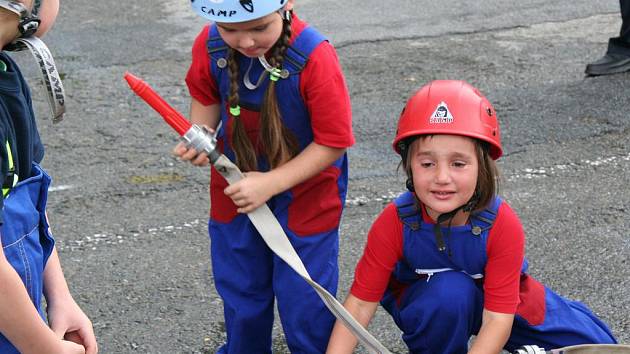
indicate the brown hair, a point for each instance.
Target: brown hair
{"x":278,"y":142}
{"x":487,"y":178}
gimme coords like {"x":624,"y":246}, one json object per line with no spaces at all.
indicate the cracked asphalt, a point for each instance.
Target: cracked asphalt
{"x":130,"y":219}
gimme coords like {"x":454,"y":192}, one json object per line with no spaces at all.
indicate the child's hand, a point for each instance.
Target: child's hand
{"x":70,"y":323}
{"x":190,"y":154}
{"x":68,"y":347}
{"x":251,"y":192}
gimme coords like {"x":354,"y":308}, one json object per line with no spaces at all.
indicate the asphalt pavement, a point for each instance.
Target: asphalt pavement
{"x":131,"y":220}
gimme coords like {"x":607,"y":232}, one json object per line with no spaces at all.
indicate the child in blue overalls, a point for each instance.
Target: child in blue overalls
{"x":29,"y":264}
{"x":446,"y":258}
{"x":272,"y":88}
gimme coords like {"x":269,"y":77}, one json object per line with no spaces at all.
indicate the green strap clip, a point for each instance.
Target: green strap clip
{"x":11,"y":179}
{"x":3,"y":66}
{"x":235,"y":111}
{"x":275,"y":74}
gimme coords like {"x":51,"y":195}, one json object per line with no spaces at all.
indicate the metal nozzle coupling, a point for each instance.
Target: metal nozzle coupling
{"x":530,"y":349}
{"x":201,"y":139}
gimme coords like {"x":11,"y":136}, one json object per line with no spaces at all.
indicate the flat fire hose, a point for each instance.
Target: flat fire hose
{"x":263,"y":219}
{"x":577,"y":349}
{"x":275,"y":237}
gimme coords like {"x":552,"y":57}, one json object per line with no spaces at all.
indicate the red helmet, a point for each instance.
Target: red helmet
{"x":449,"y":107}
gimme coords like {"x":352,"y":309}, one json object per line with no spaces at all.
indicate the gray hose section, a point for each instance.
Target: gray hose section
{"x":577,"y":349}
{"x":275,"y":237}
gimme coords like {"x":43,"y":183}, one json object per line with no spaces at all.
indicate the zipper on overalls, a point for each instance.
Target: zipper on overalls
{"x":429,"y":272}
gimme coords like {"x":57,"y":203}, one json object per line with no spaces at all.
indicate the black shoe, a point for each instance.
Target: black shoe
{"x":609,"y":64}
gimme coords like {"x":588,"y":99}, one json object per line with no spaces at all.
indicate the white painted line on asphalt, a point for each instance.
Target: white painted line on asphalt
{"x":527,"y":173}
{"x":541,"y":172}
{"x":60,"y":188}
{"x":95,"y":240}
{"x":362,"y":200}
{"x":171,"y":228}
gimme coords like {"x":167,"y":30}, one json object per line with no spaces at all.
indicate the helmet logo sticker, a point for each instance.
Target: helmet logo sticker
{"x":233,"y":11}
{"x":218,"y":13}
{"x":441,"y":115}
{"x":247,"y":5}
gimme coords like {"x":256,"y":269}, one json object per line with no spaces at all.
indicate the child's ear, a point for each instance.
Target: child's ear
{"x":47,"y":14}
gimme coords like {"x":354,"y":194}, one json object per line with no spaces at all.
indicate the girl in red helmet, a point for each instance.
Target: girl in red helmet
{"x":446,"y":258}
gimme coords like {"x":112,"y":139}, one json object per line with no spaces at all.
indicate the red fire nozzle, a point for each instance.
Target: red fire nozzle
{"x":170,"y":115}
{"x":195,"y":136}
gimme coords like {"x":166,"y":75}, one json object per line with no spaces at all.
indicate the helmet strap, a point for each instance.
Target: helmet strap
{"x":437,"y":230}
{"x":472,"y":202}
{"x":285,"y":14}
{"x":247,"y":81}
{"x":274,"y":73}
{"x":29,"y":22}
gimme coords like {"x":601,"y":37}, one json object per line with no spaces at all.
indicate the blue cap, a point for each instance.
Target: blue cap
{"x":236,"y":10}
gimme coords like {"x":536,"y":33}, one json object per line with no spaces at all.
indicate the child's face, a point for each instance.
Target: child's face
{"x":252,"y":38}
{"x":445,"y":170}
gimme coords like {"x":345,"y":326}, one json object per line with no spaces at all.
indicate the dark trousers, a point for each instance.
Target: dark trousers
{"x":621,"y":44}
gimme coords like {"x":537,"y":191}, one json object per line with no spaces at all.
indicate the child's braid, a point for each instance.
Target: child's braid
{"x":243,"y":148}
{"x":279,"y":143}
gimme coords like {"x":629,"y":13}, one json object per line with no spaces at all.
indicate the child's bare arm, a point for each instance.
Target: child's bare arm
{"x":494,"y":333}
{"x":204,"y":115}
{"x":65,"y":317}
{"x":20,"y":321}
{"x":341,"y":339}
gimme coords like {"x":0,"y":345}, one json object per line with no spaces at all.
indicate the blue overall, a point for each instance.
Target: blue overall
{"x":247,"y":274}
{"x":26,"y":240}
{"x":442,"y":301}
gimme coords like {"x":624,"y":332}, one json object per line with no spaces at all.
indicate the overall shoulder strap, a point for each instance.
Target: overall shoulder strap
{"x":215,"y":43}
{"x":296,"y":58}
{"x":217,"y":51}
{"x":408,"y":211}
{"x":484,"y":219}
{"x":301,"y":48}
